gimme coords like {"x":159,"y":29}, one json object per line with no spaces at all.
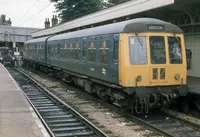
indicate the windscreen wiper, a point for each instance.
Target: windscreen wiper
{"x":177,"y":39}
{"x":141,"y":44}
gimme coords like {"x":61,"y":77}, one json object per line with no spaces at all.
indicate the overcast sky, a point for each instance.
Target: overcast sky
{"x":16,"y":10}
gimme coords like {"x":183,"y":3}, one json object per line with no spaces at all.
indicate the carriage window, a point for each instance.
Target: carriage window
{"x":70,"y":50}
{"x":92,"y":52}
{"x":66,"y":50}
{"x":175,"y":52}
{"x":26,"y":47}
{"x":55,"y":51}
{"x":157,"y":50}
{"x":84,"y":51}
{"x":51,"y":53}
{"x":77,"y":51}
{"x":58,"y":48}
{"x":138,"y":50}
{"x":116,"y":49}
{"x":104,"y":50}
{"x":61,"y":50}
{"x":49,"y":49}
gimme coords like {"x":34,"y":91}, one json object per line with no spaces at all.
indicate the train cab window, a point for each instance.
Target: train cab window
{"x":157,"y":50}
{"x":77,"y":51}
{"x":92,"y":52}
{"x":175,"y":51}
{"x":115,"y":50}
{"x":137,"y":50}
{"x":104,"y":52}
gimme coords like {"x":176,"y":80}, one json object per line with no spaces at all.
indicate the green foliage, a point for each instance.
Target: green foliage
{"x":116,"y":2}
{"x":70,"y":9}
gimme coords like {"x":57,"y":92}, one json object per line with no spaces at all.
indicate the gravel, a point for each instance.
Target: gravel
{"x":92,"y":110}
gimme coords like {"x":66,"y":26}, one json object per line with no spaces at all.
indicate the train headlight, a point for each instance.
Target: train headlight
{"x":139,"y":78}
{"x":1,"y":58}
{"x":176,"y":76}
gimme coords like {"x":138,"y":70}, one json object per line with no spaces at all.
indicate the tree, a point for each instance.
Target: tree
{"x":70,"y":9}
{"x":116,"y":2}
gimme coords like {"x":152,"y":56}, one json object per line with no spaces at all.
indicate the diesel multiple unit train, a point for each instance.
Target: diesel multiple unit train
{"x":136,"y":64}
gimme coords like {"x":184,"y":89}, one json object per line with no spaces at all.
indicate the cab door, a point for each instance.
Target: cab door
{"x":158,"y":60}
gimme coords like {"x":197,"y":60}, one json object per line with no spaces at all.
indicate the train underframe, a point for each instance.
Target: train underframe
{"x":136,"y":99}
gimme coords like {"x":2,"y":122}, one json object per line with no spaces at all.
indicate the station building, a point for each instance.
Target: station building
{"x":13,"y":38}
{"x":184,"y":13}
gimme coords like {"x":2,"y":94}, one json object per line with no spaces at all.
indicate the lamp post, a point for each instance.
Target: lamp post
{"x":5,"y":34}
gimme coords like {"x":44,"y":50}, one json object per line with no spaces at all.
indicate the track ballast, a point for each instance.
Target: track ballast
{"x":59,"y":119}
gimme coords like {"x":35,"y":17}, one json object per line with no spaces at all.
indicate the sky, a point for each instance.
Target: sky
{"x":27,"y":13}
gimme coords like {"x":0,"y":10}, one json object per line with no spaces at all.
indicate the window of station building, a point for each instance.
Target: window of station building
{"x":92,"y":52}
{"x":116,"y":50}
{"x":137,"y":50}
{"x":157,"y":50}
{"x":77,"y":51}
{"x":104,"y":52}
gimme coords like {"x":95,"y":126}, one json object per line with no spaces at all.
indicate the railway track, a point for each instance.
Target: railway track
{"x":159,"y":124}
{"x":59,"y":118}
{"x":171,"y":126}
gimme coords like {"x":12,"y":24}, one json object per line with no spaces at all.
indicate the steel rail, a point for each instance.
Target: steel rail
{"x":149,"y":125}
{"x":62,"y":103}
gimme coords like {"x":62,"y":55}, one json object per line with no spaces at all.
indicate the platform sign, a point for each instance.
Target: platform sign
{"x":16,"y":53}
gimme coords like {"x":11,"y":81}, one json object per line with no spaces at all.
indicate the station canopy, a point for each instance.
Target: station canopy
{"x":184,"y":13}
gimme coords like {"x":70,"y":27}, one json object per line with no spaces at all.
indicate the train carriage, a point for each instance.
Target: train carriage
{"x":137,"y":63}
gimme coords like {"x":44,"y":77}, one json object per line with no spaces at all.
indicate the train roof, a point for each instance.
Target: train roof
{"x":43,"y":39}
{"x":130,"y":26}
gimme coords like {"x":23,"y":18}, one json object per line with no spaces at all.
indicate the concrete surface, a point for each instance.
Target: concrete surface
{"x":17,"y":118}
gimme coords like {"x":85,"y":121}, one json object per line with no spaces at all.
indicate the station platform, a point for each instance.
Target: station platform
{"x":194,"y":84}
{"x":17,"y":117}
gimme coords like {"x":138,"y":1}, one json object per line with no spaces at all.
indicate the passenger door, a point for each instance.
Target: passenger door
{"x":104,"y":58}
{"x":84,"y":55}
{"x":115,"y":55}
